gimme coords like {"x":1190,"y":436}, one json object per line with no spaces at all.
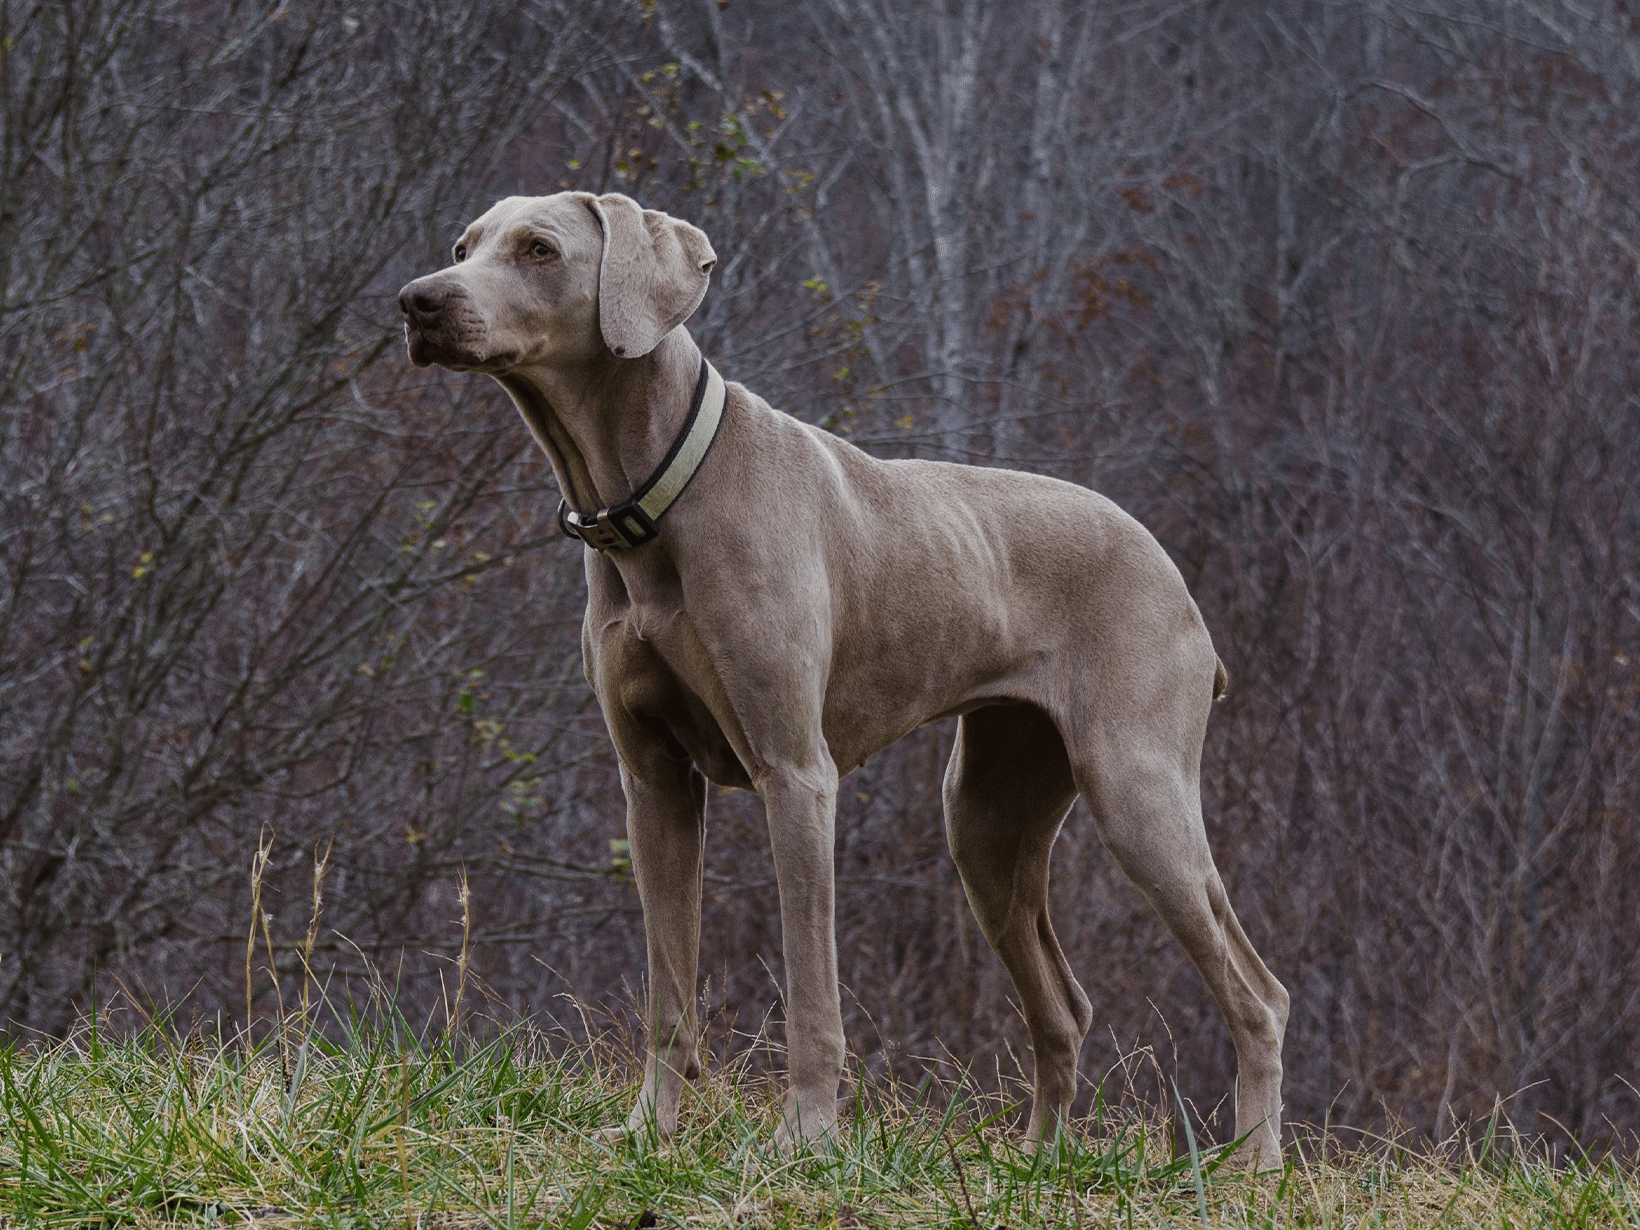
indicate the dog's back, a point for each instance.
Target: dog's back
{"x":950,"y":585}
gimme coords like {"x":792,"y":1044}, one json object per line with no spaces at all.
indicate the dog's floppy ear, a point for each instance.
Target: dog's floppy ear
{"x":654,"y":273}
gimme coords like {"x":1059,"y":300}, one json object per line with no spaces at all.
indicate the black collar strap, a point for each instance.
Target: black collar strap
{"x":635,"y":520}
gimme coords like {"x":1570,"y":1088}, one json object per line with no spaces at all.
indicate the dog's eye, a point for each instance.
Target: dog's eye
{"x":540,"y":249}
{"x":461,"y":252}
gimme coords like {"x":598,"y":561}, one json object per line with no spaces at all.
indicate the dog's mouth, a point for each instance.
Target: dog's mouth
{"x":427,"y":350}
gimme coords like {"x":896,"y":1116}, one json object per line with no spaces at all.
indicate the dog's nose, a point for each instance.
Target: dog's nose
{"x":421,"y":302}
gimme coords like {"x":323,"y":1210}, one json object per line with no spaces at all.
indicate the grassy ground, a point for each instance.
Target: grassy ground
{"x":381,"y":1129}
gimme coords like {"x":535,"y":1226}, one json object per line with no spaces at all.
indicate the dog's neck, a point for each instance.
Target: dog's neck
{"x":607,"y":425}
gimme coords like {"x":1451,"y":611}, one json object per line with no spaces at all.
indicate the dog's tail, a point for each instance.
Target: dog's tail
{"x":1221,"y":678}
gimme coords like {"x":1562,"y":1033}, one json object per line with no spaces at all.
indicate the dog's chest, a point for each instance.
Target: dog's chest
{"x":650,"y":666}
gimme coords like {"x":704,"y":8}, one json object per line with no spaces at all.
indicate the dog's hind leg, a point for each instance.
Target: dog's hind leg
{"x":1143,"y":786}
{"x":666,"y":827}
{"x":1007,"y":789}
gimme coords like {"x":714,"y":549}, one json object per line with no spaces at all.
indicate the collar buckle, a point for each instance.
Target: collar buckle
{"x":624,"y":525}
{"x":635,"y":520}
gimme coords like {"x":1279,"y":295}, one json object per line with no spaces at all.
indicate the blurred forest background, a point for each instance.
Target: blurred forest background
{"x":1338,"y":298}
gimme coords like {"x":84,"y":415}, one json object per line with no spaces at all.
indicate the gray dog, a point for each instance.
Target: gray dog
{"x":801,"y":607}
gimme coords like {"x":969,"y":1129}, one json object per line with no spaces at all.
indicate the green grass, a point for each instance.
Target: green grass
{"x":383,"y":1128}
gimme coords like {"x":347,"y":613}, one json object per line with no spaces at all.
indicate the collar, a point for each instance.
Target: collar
{"x":634,"y":521}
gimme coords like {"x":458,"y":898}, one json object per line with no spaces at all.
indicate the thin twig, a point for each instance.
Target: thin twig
{"x":962,"y":1185}
{"x":320,"y":863}
{"x":463,"y":896}
{"x":259,"y":863}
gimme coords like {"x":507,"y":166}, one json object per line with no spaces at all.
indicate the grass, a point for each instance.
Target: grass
{"x":376,"y":1126}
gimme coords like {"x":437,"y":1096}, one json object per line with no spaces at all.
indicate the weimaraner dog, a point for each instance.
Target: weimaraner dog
{"x":767,"y":606}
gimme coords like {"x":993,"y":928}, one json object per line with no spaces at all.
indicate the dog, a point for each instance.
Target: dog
{"x":768,"y":606}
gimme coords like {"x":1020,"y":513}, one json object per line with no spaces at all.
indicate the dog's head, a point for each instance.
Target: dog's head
{"x":559,"y":281}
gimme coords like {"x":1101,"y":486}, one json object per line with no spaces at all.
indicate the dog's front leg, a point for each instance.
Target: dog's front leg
{"x":802,"y":807}
{"x":666,"y":827}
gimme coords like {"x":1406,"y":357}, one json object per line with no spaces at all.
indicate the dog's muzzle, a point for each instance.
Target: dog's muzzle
{"x":434,"y":317}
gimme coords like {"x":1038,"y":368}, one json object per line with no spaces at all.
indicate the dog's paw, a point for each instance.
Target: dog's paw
{"x":642,"y":1126}
{"x":804,"y":1124}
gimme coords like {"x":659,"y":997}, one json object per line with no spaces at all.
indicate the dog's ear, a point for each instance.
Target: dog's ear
{"x":653,"y":276}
